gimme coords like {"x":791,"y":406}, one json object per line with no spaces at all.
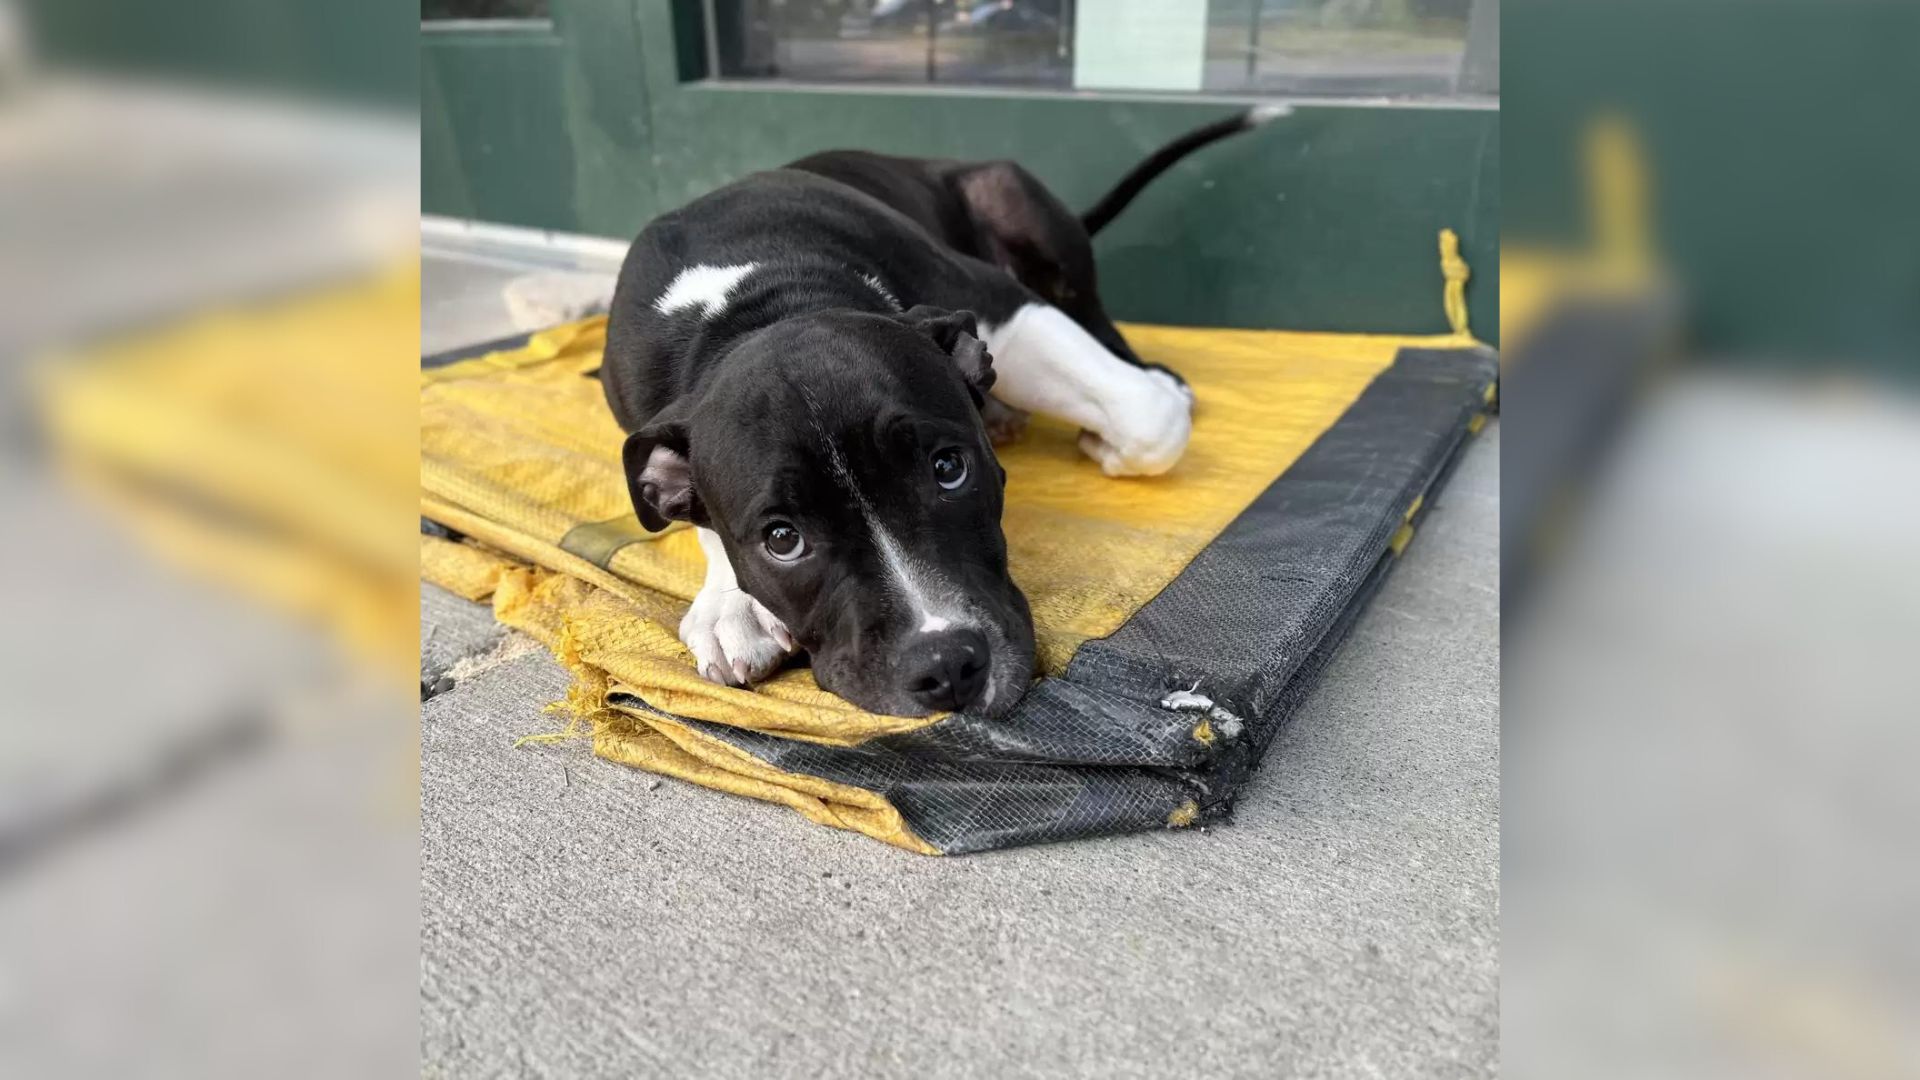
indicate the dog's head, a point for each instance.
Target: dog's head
{"x":842,"y":461}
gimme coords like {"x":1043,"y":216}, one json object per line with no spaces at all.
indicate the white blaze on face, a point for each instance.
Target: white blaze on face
{"x":909,"y":578}
{"x":912,"y":581}
{"x":704,"y":287}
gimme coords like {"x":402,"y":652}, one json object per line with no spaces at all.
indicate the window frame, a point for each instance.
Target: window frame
{"x":1476,"y":79}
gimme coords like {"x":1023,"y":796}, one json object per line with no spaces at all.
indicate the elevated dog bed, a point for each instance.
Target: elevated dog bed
{"x":1180,"y":619}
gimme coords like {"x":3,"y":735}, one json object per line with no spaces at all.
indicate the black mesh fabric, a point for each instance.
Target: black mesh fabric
{"x":1249,"y":624}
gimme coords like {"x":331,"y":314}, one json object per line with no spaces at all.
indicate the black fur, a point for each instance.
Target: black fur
{"x":813,"y":382}
{"x":1137,"y":178}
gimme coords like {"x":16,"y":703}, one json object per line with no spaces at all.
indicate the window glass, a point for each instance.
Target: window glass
{"x":982,"y":42}
{"x":1289,"y":47}
{"x":1336,"y":46}
{"x":445,"y":10}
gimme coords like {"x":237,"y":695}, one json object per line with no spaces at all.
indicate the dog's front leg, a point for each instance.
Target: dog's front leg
{"x":734,"y":639}
{"x":1134,"y":420}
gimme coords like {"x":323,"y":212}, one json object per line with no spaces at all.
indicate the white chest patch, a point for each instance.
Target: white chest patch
{"x":704,"y":287}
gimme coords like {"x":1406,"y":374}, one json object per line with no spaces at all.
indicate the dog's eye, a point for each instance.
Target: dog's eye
{"x":949,"y":469}
{"x":784,"y":542}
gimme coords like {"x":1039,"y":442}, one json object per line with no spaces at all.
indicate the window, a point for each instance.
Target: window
{"x":1291,"y":47}
{"x":1336,"y":46}
{"x":466,"y":10}
{"x":1017,"y":42}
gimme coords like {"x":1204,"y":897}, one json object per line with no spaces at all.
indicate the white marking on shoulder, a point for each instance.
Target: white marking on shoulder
{"x":702,"y":286}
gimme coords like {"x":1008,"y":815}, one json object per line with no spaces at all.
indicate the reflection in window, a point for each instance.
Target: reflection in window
{"x":1018,"y":42}
{"x":1410,"y":47}
{"x":445,"y":10}
{"x":1336,"y":46}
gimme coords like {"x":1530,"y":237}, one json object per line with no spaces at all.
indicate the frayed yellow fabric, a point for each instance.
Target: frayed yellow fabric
{"x":715,"y":764}
{"x":638,"y":652}
{"x":586,"y":629}
{"x":466,"y":570}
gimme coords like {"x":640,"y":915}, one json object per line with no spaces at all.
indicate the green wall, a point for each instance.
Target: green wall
{"x":1326,"y":219}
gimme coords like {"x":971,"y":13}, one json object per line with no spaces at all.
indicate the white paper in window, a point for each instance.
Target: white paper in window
{"x":1139,"y":44}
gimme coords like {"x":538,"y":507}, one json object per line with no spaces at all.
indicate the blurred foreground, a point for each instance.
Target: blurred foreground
{"x":208,"y":788}
{"x":1711,"y":300}
{"x":1707,"y":858}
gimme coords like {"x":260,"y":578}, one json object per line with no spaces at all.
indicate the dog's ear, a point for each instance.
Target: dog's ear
{"x":660,"y":475}
{"x":957,"y":332}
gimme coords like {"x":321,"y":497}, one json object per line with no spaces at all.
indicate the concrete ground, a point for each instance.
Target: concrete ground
{"x":579,"y":918}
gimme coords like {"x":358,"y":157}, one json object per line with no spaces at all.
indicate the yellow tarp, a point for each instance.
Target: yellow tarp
{"x":519,"y":452}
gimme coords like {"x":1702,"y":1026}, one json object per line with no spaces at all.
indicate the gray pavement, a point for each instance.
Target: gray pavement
{"x":451,"y":630}
{"x":581,"y":919}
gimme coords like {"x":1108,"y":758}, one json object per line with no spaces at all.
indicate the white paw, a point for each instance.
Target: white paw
{"x":1147,"y":427}
{"x":734,"y":640}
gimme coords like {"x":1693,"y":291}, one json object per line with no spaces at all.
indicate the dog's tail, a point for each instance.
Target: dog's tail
{"x":1161,"y":160}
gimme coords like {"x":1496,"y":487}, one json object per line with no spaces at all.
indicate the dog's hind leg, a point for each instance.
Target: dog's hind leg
{"x":1023,"y":229}
{"x":1135,"y":420}
{"x":735,"y":640}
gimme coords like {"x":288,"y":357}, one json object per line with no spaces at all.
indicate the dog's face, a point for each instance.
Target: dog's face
{"x":842,"y":461}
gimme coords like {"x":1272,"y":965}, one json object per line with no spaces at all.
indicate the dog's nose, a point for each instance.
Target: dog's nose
{"x":946,"y":670}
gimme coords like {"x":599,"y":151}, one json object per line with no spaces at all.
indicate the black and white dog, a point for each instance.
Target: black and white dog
{"x":803,"y":360}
